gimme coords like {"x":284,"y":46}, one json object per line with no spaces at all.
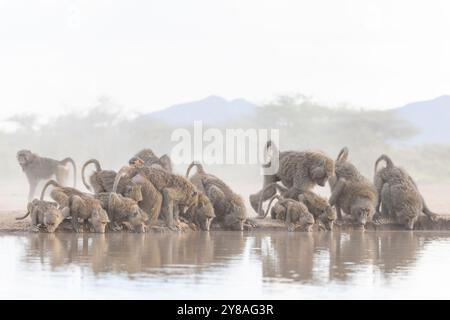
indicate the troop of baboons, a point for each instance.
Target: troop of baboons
{"x":146,"y":193}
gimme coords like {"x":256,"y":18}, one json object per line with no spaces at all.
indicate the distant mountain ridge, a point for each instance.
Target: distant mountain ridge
{"x":431,"y":117}
{"x":213,"y":110}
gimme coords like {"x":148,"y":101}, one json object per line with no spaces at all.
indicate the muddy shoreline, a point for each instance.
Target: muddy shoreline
{"x":9,"y":224}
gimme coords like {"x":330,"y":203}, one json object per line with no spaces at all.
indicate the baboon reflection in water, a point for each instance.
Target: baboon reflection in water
{"x":305,"y":257}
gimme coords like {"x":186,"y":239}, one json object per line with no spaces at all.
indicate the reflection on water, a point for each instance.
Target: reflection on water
{"x":226,"y":265}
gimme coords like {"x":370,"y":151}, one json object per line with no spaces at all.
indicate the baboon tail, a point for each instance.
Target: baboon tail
{"x":119,"y":176}
{"x":26,"y":215}
{"x":389,"y":163}
{"x":426,"y":210}
{"x":70,"y":160}
{"x":97,"y":168}
{"x":195,"y":164}
{"x":276,"y":196}
{"x":49,"y":183}
{"x":343,"y":155}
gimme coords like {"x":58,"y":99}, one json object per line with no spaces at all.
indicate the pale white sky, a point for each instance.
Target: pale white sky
{"x":57,"y":55}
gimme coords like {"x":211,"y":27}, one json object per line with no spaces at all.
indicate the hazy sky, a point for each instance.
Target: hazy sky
{"x":59,"y":55}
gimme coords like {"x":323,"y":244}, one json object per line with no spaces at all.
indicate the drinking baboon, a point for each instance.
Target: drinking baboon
{"x":103,"y":181}
{"x":178,"y":193}
{"x":398,"y":194}
{"x":81,"y":205}
{"x":121,"y":209}
{"x":38,"y":168}
{"x":45,"y":214}
{"x":319,"y":208}
{"x":294,"y":213}
{"x":298,"y":171}
{"x":202,"y":214}
{"x":148,"y":158}
{"x":228,"y":206}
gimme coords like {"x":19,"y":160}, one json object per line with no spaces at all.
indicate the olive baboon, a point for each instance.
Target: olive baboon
{"x":398,"y":194}
{"x":228,"y":206}
{"x":45,"y":214}
{"x":178,"y":193}
{"x":103,"y":181}
{"x":121,"y":209}
{"x":81,"y":205}
{"x":351,"y":192}
{"x":148,"y":158}
{"x":319,"y":208}
{"x":202,"y":214}
{"x":294,"y":213}
{"x":298,"y":171}
{"x":38,"y":168}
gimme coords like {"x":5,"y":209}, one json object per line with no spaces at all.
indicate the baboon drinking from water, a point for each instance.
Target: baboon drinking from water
{"x":103,"y":181}
{"x":294,"y":213}
{"x":45,"y":214}
{"x":398,"y":194}
{"x":351,"y":192}
{"x":298,"y":171}
{"x":228,"y":206}
{"x":177,"y":192}
{"x":38,"y":168}
{"x":202,"y":214}
{"x":148,"y":158}
{"x":81,"y":205}
{"x":123,"y":210}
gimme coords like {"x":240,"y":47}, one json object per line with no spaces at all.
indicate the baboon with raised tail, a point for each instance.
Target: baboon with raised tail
{"x":398,"y":194}
{"x":38,"y":168}
{"x":299,"y":171}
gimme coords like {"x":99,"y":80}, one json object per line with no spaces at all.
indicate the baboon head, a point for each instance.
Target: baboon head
{"x":320,"y":171}
{"x":235,"y":223}
{"x":362,"y":213}
{"x":136,"y":162}
{"x":328,"y":216}
{"x":408,"y":219}
{"x":203,"y":215}
{"x":54,"y":217}
{"x":137,"y":218}
{"x":305,"y":221}
{"x":134,"y":192}
{"x":24,"y":157}
{"x":99,"y":219}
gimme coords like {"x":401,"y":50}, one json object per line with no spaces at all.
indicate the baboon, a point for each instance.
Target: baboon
{"x":319,"y":208}
{"x":351,"y":192}
{"x":398,"y":194}
{"x":148,"y":158}
{"x":298,"y":171}
{"x":202,"y":214}
{"x":121,"y":209}
{"x":103,"y":181}
{"x":294,"y":213}
{"x":45,"y":214}
{"x":38,"y":168}
{"x":178,"y":193}
{"x":81,"y":205}
{"x":228,"y":206}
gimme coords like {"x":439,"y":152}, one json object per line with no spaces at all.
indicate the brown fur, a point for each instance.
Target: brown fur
{"x":122,"y":209}
{"x":398,"y":194}
{"x":294,"y":213}
{"x":45,"y":214}
{"x":229,"y":207}
{"x":148,"y":158}
{"x":298,"y":171}
{"x":38,"y":168}
{"x":202,"y":214}
{"x":319,"y":208}
{"x":178,"y":193}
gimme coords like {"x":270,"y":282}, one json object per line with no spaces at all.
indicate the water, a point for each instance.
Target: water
{"x":226,"y":265}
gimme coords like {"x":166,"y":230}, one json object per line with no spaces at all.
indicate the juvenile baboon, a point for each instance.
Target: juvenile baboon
{"x":294,"y":213}
{"x":202,"y":214}
{"x":45,"y":214}
{"x":103,"y":181}
{"x":228,"y":206}
{"x":298,"y":171}
{"x":319,"y":208}
{"x":81,"y":205}
{"x":178,"y":193}
{"x":121,"y":209}
{"x":38,"y":168}
{"x":351,"y":192}
{"x":398,"y":194}
{"x":148,"y":158}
